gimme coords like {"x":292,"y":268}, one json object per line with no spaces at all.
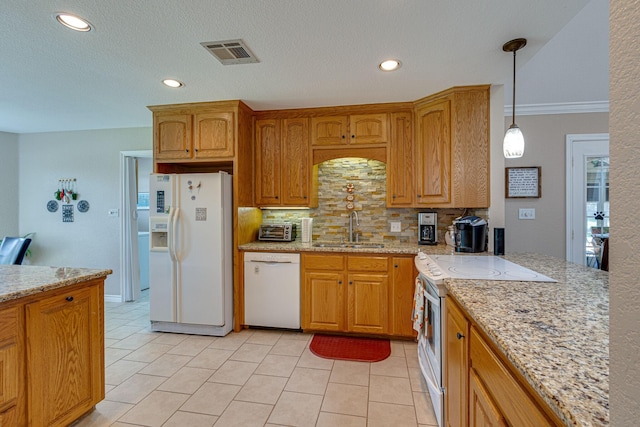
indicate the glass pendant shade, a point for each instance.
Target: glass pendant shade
{"x":513,"y":145}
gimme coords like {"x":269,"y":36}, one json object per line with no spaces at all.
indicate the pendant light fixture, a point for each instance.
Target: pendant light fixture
{"x":513,"y":145}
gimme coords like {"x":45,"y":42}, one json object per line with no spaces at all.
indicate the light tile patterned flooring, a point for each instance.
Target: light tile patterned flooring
{"x":251,"y":378}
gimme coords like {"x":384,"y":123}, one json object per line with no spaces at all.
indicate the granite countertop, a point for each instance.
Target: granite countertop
{"x":555,"y":334}
{"x":17,"y":281}
{"x":389,"y":247}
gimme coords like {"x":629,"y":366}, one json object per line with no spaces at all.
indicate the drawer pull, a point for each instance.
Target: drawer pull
{"x":459,"y":336}
{"x":339,"y":282}
{"x":69,"y":299}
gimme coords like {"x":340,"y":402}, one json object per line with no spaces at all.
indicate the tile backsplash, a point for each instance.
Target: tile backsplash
{"x":369,"y":179}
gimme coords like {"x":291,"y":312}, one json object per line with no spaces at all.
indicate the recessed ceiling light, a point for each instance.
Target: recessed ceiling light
{"x":173,"y":83}
{"x":73,"y":22}
{"x":389,"y":65}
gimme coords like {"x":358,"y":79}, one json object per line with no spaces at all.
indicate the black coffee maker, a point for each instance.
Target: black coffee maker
{"x":471,"y":234}
{"x":427,"y":228}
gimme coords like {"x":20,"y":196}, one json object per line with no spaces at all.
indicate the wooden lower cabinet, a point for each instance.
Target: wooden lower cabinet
{"x":482,"y":387}
{"x":366,"y":294}
{"x":52,"y":356}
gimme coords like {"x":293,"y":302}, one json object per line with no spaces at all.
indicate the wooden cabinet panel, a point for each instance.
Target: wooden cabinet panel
{"x":65,"y":356}
{"x":8,"y":374}
{"x":213,"y":135}
{"x":172,"y":136}
{"x":400,"y":163}
{"x":296,"y":162}
{"x":367,"y":303}
{"x":329,"y":130}
{"x":482,"y":411}
{"x":433,"y":146}
{"x":369,"y":128}
{"x":11,"y":363}
{"x":401,"y":296}
{"x":368,"y":263}
{"x":456,"y":365}
{"x":268,"y":162}
{"x":9,"y":417}
{"x":324,"y":301}
{"x":513,"y":402}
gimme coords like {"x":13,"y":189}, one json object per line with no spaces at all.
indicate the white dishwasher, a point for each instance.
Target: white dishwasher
{"x":272,"y":289}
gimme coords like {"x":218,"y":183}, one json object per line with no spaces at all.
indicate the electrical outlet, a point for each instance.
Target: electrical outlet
{"x":527,"y":213}
{"x":396,"y":226}
{"x":113,"y":212}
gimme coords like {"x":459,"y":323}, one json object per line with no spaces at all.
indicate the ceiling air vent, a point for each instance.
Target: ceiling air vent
{"x":231,"y":52}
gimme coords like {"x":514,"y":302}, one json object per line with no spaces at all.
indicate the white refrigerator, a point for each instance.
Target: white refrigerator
{"x":191,"y":253}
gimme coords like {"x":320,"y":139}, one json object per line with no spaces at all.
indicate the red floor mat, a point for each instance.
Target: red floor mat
{"x":350,"y":348}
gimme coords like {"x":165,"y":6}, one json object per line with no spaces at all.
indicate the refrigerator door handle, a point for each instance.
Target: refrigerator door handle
{"x":170,"y":239}
{"x":174,"y":231}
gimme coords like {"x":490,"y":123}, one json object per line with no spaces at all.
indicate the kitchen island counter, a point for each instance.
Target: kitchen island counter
{"x":17,"y":281}
{"x":555,"y":334}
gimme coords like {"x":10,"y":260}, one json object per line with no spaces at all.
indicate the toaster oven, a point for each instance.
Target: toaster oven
{"x":277,"y":232}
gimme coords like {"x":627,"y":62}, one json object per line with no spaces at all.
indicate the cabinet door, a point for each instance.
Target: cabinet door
{"x":213,"y":135}
{"x":10,"y":363}
{"x":367,"y":304}
{"x":65,"y":356}
{"x":455,"y":365}
{"x":433,"y":147}
{"x":296,"y":162}
{"x":324,"y":301}
{"x":172,"y":136}
{"x":268,"y":162}
{"x":482,"y":411}
{"x":369,"y":129}
{"x":400,"y":165}
{"x":329,"y":130}
{"x":402,"y":292}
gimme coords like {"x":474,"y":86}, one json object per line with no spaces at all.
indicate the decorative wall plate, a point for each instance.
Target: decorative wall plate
{"x":83,"y":206}
{"x":350,"y":197}
{"x":52,"y":206}
{"x":350,"y":205}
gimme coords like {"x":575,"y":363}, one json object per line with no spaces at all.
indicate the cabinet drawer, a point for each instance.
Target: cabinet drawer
{"x":324,"y":262}
{"x":8,"y":323}
{"x":361,"y":263}
{"x":517,"y":406}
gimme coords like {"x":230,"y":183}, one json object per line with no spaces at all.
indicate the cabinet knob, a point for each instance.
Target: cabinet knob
{"x":353,"y":136}
{"x":304,"y":197}
{"x":187,"y":150}
{"x":195,"y":149}
{"x":395,"y":266}
{"x":394,"y":196}
{"x":459,"y":336}
{"x":418,"y":196}
{"x":69,"y":299}
{"x":339,"y":282}
{"x":351,"y":282}
{"x":276,"y":197}
{"x":343,"y":137}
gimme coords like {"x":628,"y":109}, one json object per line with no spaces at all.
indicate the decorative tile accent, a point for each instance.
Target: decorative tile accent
{"x":369,"y":177}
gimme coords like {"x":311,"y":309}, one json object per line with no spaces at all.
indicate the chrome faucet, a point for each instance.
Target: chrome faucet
{"x":351,"y":230}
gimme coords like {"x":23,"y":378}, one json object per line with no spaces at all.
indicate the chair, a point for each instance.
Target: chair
{"x":13,"y":249}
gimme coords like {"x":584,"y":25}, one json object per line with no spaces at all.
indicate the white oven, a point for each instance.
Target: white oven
{"x":430,"y":349}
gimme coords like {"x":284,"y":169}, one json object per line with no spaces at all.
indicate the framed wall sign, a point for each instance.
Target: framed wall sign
{"x":523,"y":182}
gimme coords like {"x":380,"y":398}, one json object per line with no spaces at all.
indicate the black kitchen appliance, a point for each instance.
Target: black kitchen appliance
{"x":427,"y":228}
{"x":471,"y":234}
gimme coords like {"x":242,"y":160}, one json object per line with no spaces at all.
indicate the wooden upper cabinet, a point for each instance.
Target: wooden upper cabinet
{"x":213,"y":135}
{"x":400,"y":161}
{"x":268,"y":162}
{"x":353,"y":129}
{"x":172,"y":136}
{"x":297,"y":188}
{"x":433,"y":147}
{"x":284,"y":174}
{"x":452,"y":149}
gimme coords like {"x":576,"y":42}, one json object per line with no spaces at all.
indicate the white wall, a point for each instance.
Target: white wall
{"x":9,"y":207}
{"x":92,"y":157}
{"x":545,"y":146}
{"x":624,"y":253}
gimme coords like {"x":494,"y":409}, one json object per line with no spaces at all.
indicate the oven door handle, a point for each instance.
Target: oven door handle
{"x":433,"y":300}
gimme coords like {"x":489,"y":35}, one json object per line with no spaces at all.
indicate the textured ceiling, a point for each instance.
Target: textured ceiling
{"x":312,"y":53}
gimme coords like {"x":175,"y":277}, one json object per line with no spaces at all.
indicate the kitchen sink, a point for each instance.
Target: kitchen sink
{"x":348,"y":245}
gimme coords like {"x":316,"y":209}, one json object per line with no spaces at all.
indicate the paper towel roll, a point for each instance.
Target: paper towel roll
{"x":306,"y":224}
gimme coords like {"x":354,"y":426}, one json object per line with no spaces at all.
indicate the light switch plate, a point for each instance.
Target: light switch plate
{"x":396,"y":226}
{"x":113,"y":212}
{"x":527,"y":213}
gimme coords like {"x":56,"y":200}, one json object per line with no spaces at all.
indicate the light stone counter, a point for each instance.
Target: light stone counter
{"x":555,"y":334}
{"x":17,"y":281}
{"x":389,"y":248}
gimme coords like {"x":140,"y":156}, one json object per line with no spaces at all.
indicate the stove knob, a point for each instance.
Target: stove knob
{"x":436,"y":273}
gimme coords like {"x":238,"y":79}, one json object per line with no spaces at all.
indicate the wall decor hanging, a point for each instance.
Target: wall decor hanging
{"x":83,"y":206}
{"x":350,"y":188}
{"x":67,"y":213}
{"x":66,"y":194}
{"x":523,"y":182}
{"x":66,"y":190}
{"x":52,"y":206}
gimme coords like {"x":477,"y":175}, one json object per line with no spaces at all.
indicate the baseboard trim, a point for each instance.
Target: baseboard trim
{"x":113,"y":298}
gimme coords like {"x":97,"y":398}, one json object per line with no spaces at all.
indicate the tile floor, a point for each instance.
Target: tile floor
{"x":251,"y":378}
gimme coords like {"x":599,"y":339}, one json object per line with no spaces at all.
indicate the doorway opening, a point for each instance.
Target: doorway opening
{"x":587,"y":197}
{"x":135,"y":168}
